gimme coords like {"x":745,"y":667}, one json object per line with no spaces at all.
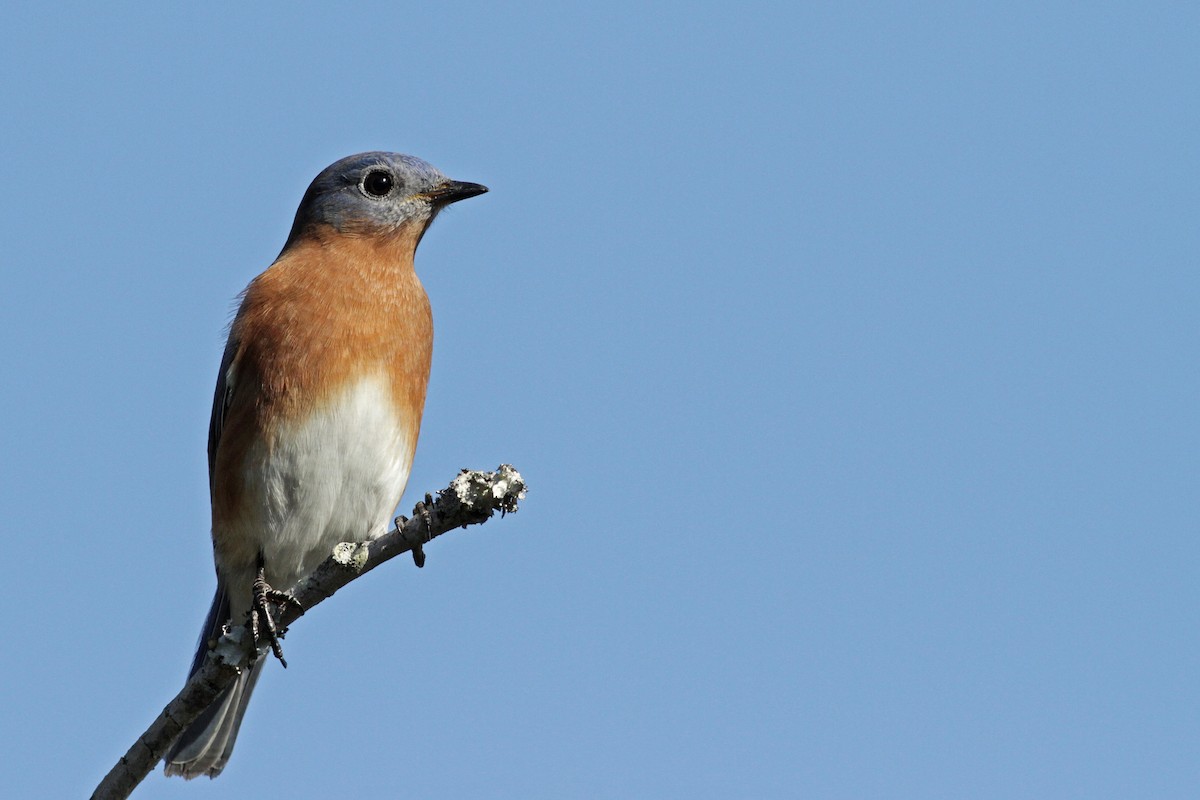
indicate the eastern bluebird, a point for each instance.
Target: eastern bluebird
{"x":318,"y":404}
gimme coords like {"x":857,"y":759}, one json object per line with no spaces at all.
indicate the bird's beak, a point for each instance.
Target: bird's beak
{"x":453,"y":191}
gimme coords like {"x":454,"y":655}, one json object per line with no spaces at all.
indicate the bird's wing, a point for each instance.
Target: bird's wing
{"x":221,"y":400}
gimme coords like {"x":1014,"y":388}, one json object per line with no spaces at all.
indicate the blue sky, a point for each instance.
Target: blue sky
{"x":848,"y":349}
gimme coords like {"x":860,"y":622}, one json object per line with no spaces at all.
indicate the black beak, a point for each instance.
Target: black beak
{"x":453,"y":191}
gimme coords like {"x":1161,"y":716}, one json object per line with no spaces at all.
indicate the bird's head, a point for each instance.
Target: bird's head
{"x":377,"y":194}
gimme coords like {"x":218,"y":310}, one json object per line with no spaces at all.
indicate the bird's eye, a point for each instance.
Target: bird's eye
{"x":378,"y":183}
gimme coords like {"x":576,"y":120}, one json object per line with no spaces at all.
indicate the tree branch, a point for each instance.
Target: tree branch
{"x":470,"y":499}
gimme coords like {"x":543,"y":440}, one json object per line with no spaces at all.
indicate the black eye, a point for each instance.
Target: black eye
{"x":377,"y":183}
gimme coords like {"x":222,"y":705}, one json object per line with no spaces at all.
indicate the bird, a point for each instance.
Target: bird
{"x":317,"y":406}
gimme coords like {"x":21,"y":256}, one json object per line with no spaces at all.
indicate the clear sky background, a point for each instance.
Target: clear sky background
{"x":849,"y":351}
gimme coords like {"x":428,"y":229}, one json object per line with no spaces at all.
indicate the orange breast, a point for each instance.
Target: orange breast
{"x":330,"y":309}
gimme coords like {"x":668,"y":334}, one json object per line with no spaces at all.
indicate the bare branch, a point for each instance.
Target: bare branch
{"x":470,"y":499}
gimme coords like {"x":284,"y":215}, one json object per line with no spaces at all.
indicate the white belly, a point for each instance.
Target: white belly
{"x":336,"y":477}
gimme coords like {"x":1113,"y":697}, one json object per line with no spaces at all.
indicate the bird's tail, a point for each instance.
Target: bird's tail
{"x":204,"y":746}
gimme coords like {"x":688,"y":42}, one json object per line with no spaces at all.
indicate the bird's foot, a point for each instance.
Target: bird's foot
{"x":421,"y":510}
{"x":262,"y":624}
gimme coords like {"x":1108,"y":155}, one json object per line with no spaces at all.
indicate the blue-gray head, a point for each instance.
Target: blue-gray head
{"x":372,"y":193}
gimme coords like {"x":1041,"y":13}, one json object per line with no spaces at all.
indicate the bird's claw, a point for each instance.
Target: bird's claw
{"x":262,"y":624}
{"x":422,"y":510}
{"x":418,"y":552}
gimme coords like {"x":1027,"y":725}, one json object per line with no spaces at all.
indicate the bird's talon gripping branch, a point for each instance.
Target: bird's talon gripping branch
{"x":427,"y":516}
{"x":422,"y":510}
{"x":261,"y":620}
{"x":418,"y":552}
